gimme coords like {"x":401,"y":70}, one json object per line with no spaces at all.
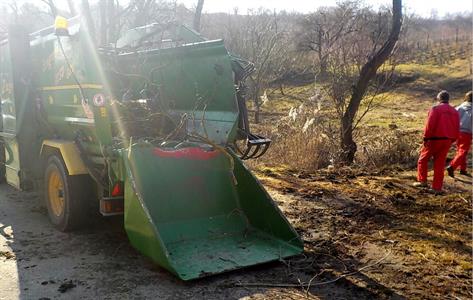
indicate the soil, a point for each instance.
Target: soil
{"x":367,"y":235}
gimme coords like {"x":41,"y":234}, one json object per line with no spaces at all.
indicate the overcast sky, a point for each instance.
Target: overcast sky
{"x":421,"y":7}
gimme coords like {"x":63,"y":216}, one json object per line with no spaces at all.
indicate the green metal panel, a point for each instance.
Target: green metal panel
{"x":12,"y":157}
{"x":186,"y":212}
{"x":68,"y":106}
{"x":67,"y":81}
{"x":12,"y":161}
{"x":6,"y":81}
{"x":17,"y":106}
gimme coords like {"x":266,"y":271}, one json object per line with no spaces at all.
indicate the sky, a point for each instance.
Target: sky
{"x":424,"y":8}
{"x":420,"y":7}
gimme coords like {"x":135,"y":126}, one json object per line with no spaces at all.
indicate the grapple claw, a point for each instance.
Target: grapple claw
{"x":256,"y":146}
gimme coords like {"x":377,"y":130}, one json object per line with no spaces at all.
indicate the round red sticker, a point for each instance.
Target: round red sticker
{"x":99,"y":100}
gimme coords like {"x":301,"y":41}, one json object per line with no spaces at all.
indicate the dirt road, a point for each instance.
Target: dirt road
{"x":38,"y":262}
{"x":359,"y":245}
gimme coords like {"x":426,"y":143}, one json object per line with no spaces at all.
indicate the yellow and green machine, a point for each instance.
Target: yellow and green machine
{"x":149,"y":128}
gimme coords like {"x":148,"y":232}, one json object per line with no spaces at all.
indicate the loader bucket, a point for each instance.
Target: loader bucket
{"x":185,"y":210}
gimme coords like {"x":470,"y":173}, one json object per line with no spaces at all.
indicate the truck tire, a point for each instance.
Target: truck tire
{"x":66,"y":196}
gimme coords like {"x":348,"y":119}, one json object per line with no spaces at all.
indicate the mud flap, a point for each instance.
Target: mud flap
{"x":184,"y":210}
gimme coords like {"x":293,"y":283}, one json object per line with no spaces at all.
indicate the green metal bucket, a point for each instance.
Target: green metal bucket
{"x":185,"y":210}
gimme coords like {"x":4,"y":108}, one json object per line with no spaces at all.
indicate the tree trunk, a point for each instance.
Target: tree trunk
{"x":111,"y":28}
{"x":256,"y":101}
{"x":368,"y":72}
{"x":52,"y":7}
{"x":103,"y":22}
{"x":72,"y":9}
{"x":322,"y":58}
{"x":88,"y":18}
{"x":281,"y":89}
{"x":198,"y":15}
{"x":456,"y":35}
{"x":348,"y":144}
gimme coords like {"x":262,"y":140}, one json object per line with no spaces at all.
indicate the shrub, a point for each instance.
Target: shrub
{"x":385,"y":147}
{"x":308,"y":139}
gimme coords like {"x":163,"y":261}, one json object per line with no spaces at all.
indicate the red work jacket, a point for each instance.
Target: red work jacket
{"x":443,"y":122}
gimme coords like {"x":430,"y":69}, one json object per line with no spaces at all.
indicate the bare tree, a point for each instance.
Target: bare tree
{"x":85,"y":8}
{"x":72,"y":8}
{"x":351,"y":43}
{"x":31,"y":15}
{"x":103,"y":22}
{"x":198,"y":15}
{"x":52,"y":7}
{"x":143,"y":12}
{"x":259,"y":38}
{"x":15,"y":10}
{"x":112,"y":33}
{"x":367,"y":73}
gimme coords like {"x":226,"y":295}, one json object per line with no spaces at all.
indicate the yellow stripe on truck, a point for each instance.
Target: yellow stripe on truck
{"x":71,"y":87}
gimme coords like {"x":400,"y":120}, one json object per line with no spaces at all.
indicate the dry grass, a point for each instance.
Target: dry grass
{"x":388,"y":147}
{"x":308,"y":139}
{"x":304,"y":139}
{"x":458,"y":68}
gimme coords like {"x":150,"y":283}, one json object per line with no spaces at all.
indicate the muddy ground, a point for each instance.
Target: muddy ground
{"x":366,"y":236}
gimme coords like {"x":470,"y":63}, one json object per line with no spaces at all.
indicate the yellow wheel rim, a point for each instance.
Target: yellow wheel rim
{"x":56,"y":192}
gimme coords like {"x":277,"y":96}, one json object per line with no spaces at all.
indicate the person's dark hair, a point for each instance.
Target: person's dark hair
{"x":468,"y":96}
{"x":443,"y":96}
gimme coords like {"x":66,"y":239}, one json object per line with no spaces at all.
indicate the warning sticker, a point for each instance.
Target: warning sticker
{"x":99,"y":100}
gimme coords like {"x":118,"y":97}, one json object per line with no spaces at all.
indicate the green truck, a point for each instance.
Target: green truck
{"x":148,"y":129}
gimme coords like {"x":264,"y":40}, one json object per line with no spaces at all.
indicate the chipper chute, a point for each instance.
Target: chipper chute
{"x":190,"y":204}
{"x":206,"y":215}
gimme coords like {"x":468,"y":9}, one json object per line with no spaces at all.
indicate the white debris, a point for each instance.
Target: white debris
{"x":307,"y":124}
{"x":408,"y":115}
{"x":264,"y":98}
{"x":293,"y":114}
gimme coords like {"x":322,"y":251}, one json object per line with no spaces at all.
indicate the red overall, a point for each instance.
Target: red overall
{"x":441,"y":129}
{"x":463,"y":146}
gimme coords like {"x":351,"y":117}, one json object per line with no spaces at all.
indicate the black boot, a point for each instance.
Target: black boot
{"x":465,"y":173}
{"x":450,"y":172}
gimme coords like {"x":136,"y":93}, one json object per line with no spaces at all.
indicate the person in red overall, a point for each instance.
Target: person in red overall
{"x":464,"y":140}
{"x":442,"y":128}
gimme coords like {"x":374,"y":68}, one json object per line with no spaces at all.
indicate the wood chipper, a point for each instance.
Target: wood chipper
{"x":147,"y":128}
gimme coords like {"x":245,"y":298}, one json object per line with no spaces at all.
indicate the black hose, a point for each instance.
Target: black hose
{"x":81,"y":91}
